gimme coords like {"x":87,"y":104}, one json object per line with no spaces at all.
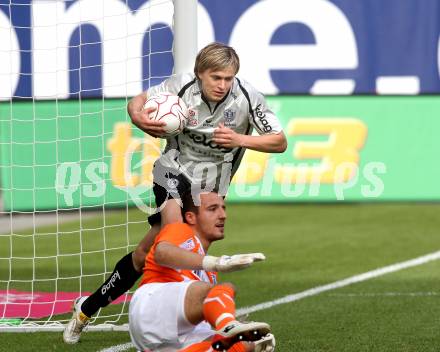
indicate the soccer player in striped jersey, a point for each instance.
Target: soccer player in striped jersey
{"x":179,"y":305}
{"x":223,"y":112}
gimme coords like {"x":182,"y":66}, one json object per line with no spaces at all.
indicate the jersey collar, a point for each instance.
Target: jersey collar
{"x":202,"y":96}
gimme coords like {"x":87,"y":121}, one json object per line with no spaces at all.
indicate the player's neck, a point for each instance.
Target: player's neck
{"x":203,"y":241}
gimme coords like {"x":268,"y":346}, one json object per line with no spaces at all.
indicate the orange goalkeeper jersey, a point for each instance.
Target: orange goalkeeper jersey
{"x":183,"y":236}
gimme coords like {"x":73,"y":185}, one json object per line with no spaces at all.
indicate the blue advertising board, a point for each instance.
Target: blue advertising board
{"x":317,"y":47}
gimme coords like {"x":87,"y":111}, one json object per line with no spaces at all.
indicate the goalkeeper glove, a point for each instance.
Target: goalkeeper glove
{"x":227,"y":263}
{"x":265,"y":344}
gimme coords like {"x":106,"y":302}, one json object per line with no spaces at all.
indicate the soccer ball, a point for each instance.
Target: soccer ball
{"x":170,"y":109}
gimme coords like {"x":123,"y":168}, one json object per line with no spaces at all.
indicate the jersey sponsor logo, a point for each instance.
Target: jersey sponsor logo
{"x":262,"y":117}
{"x":205,"y":152}
{"x":203,"y":139}
{"x":188,"y":244}
{"x":110,"y":283}
{"x":328,"y":25}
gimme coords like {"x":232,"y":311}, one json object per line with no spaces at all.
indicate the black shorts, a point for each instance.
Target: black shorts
{"x":169,"y":184}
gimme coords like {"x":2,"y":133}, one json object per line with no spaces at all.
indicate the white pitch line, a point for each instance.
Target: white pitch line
{"x":319,"y":289}
{"x":342,"y":283}
{"x":384,"y":294}
{"x":118,"y":348}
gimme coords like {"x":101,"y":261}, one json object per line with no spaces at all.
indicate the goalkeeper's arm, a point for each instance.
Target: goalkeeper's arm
{"x":167,"y":254}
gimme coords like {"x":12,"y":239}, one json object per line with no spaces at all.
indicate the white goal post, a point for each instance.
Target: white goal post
{"x":185,"y":35}
{"x":75,"y":175}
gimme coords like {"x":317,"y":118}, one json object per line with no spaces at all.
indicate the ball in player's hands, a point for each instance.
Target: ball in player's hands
{"x":170,"y":109}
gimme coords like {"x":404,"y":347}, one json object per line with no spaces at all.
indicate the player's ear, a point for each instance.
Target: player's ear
{"x":190,"y":218}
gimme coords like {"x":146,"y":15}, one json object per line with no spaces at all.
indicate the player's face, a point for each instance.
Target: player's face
{"x":216,"y":84}
{"x":211,"y":217}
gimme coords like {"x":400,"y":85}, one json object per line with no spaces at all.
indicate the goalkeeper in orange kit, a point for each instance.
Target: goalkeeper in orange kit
{"x":179,"y":305}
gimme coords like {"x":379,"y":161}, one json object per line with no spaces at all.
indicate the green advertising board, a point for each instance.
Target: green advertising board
{"x":69,"y":154}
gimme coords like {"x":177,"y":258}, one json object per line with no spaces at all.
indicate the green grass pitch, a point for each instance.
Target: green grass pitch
{"x":306,"y":245}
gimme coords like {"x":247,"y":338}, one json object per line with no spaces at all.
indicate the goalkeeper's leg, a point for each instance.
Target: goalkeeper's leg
{"x":205,"y":346}
{"x":129,"y":268}
{"x":219,"y":311}
{"x":265,"y":344}
{"x":216,"y":305}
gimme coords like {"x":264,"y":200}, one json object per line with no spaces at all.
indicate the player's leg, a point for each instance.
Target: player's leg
{"x":153,"y":315}
{"x":219,"y":311}
{"x":166,"y":315}
{"x":265,"y":344}
{"x":193,"y":304}
{"x":167,"y":190}
{"x":126,"y":272}
{"x":157,"y":319}
{"x":129,"y":268}
{"x":205,"y":346}
{"x":216,"y":305}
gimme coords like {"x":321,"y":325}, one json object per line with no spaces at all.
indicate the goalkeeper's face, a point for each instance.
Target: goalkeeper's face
{"x":216,"y":84}
{"x":211,"y":217}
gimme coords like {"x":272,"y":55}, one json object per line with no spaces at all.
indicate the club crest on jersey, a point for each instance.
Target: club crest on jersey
{"x":229,"y":116}
{"x":188,"y":244}
{"x":192,"y":117}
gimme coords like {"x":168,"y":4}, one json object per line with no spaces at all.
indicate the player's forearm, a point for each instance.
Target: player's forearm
{"x":169,"y":255}
{"x":268,"y":143}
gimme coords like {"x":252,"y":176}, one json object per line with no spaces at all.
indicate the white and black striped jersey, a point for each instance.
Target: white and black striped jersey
{"x":197,"y":156}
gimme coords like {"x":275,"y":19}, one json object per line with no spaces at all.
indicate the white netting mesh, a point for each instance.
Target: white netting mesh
{"x":71,"y":163}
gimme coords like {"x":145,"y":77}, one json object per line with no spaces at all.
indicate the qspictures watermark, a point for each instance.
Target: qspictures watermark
{"x":93,"y":180}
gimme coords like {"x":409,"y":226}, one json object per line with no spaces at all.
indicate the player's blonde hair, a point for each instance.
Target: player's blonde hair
{"x":216,"y":56}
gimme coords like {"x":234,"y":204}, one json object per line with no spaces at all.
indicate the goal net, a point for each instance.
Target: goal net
{"x":75,"y":175}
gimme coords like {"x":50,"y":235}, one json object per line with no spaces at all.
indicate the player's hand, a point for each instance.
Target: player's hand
{"x":265,"y":344}
{"x":226,"y":263}
{"x":227,"y":138}
{"x":139,"y":117}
